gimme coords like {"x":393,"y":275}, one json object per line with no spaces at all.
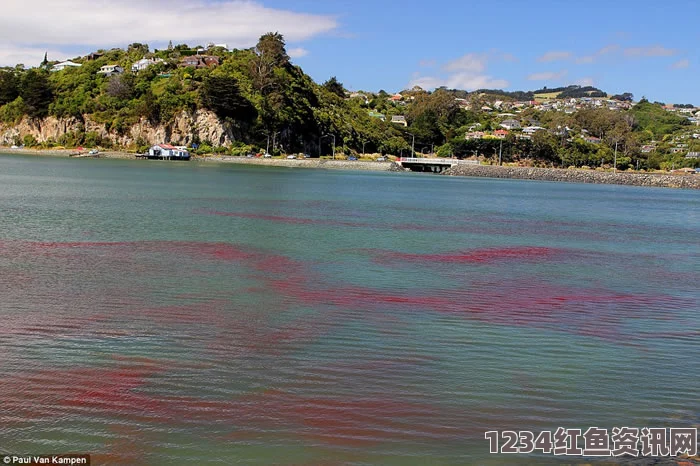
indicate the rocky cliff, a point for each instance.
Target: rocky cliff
{"x":202,"y":124}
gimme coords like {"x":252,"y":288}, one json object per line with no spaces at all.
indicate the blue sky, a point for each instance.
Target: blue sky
{"x":647,"y":48}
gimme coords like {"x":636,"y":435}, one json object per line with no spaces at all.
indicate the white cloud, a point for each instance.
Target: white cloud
{"x":554,"y":55}
{"x":608,"y":49}
{"x":470,"y":62}
{"x":654,"y":51}
{"x":91,"y":25}
{"x":681,"y":64}
{"x":297,"y":52}
{"x":466,"y":81}
{"x":29,"y":56}
{"x":467,"y":72}
{"x":547,"y":76}
{"x":588,"y":81}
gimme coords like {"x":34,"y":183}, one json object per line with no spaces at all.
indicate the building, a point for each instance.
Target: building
{"x":200,"y":61}
{"x":510,"y":124}
{"x":532,"y":129}
{"x":166,"y":151}
{"x":592,"y":139}
{"x":474,"y":135}
{"x":381,"y":116}
{"x":693,"y":155}
{"x":145,"y":63}
{"x":500,"y":134}
{"x":65,"y":64}
{"x":111,"y":70}
{"x":399,"y":120}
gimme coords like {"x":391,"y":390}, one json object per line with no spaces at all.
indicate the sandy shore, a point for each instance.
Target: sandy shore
{"x":304,"y":163}
{"x":66,"y":153}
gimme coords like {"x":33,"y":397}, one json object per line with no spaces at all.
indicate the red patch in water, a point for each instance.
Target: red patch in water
{"x":479,"y":256}
{"x":286,"y":219}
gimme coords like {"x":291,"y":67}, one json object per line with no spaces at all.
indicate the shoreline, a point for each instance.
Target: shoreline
{"x":659,"y":180}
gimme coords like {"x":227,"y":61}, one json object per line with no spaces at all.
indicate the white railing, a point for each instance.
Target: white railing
{"x":445,"y":161}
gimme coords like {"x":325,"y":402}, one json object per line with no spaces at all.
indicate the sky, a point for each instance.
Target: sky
{"x":647,"y":48}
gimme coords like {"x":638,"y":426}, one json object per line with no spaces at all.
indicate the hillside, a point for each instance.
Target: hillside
{"x":239,"y":101}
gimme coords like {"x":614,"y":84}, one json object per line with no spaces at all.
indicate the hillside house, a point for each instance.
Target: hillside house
{"x":399,"y":120}
{"x":64,"y":65}
{"x":510,"y":124}
{"x":381,"y":116}
{"x":693,"y":155}
{"x":111,"y":70}
{"x":200,"y":61}
{"x":145,"y":63}
{"x":474,"y":135}
{"x":500,"y":134}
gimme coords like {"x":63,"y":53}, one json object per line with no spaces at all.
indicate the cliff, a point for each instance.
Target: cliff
{"x":202,"y":124}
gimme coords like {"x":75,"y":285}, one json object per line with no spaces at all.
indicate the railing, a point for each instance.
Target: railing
{"x":438,"y":161}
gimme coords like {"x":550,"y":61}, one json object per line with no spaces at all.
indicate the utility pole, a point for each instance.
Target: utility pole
{"x":615,"y":159}
{"x":267,"y":150}
{"x":413,"y":146}
{"x":500,"y":154}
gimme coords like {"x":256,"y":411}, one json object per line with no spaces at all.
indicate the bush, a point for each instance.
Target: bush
{"x":241,"y":150}
{"x":30,"y":141}
{"x":204,"y":149}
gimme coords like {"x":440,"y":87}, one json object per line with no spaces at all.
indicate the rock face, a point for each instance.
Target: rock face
{"x":578,"y":176}
{"x":181,"y":131}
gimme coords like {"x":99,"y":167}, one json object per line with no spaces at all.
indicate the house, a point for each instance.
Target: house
{"x":65,"y":64}
{"x":474,"y":135}
{"x":399,"y":119}
{"x":648,"y":148}
{"x":693,"y":155}
{"x":166,"y":151}
{"x":200,"y":61}
{"x":592,"y":139}
{"x":510,"y":124}
{"x":396,"y":98}
{"x":532,"y":129}
{"x":145,"y":63}
{"x":381,"y":116}
{"x":500,"y":133}
{"x":111,"y":70}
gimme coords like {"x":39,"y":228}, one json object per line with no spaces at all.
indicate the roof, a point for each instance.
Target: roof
{"x":165,"y":146}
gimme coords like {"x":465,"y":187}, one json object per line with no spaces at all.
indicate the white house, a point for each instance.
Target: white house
{"x":399,"y":119}
{"x":532,"y":129}
{"x":167,"y":151}
{"x":110,"y":70}
{"x":65,"y":64}
{"x":145,"y":63}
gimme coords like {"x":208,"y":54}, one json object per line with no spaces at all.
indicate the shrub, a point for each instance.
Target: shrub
{"x":30,"y":141}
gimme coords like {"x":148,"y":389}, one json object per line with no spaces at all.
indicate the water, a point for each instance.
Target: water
{"x":166,"y":313}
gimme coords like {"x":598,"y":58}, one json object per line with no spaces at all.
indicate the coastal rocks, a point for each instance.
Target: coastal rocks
{"x":578,"y":176}
{"x":185,"y":127}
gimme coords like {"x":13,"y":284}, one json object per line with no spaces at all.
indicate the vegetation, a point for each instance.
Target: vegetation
{"x":261,"y":96}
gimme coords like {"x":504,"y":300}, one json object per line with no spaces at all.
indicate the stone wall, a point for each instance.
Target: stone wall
{"x":578,"y":176}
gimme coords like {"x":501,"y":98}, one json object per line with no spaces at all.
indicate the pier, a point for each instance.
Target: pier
{"x":435,"y":165}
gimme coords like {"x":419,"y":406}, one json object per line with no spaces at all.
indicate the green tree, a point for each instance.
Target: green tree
{"x":335,"y":86}
{"x":36,"y":92}
{"x":222,"y":95}
{"x":9,"y":86}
